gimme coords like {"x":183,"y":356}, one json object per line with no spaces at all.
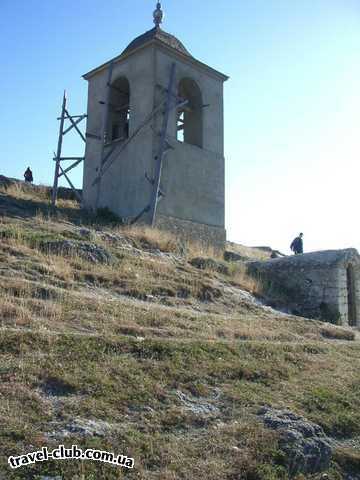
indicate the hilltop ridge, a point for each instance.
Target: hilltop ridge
{"x":125,"y":339}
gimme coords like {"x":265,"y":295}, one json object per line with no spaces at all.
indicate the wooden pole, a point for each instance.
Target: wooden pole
{"x":125,"y":144}
{"x":58,"y":153}
{"x":69,"y":158}
{"x":74,"y":125}
{"x":160,"y":154}
{"x":80,"y":119}
{"x":75,"y":164}
{"x":76,"y":193}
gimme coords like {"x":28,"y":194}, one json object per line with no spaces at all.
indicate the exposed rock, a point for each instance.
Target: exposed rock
{"x":209,"y":263}
{"x":88,"y":251}
{"x":304,"y":443}
{"x":199,"y":405}
{"x":115,"y":239}
{"x":86,"y":234}
{"x":80,"y":427}
{"x":130,"y":247}
{"x":50,"y":478}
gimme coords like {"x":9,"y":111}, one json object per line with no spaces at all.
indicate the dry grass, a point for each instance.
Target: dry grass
{"x":196,"y":249}
{"x":53,"y":290}
{"x":349,"y":458}
{"x":249,"y":252}
{"x":171,"y":289}
{"x":338,"y":333}
{"x":146,"y":237}
{"x":40,"y":195}
{"x":157,"y":239}
{"x":121,"y":339}
{"x":26,"y":192}
{"x":238,"y":272}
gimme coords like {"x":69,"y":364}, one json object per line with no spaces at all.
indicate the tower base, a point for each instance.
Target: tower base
{"x":206,"y":235}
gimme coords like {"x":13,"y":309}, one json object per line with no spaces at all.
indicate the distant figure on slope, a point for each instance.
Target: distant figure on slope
{"x":297,"y":245}
{"x":28,"y":175}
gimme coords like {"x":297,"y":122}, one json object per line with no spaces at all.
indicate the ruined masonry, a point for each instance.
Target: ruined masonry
{"x":322,"y":285}
{"x":160,"y":113}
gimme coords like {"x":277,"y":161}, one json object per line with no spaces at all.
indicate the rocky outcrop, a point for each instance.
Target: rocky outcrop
{"x":87,"y":251}
{"x":305,"y":445}
{"x":80,"y":427}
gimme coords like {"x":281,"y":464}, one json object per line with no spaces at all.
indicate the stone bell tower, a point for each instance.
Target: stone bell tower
{"x":155,"y":138}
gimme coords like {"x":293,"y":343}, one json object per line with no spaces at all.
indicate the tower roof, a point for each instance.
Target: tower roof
{"x":156,"y":33}
{"x":157,"y":36}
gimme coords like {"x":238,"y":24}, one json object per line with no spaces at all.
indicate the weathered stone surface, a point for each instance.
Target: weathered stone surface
{"x":80,"y":427}
{"x":88,"y":251}
{"x":200,"y":405}
{"x":304,"y":443}
{"x":313,"y":285}
{"x":210,"y":264}
{"x":129,"y":247}
{"x":86,"y":234}
{"x":50,"y":478}
{"x":115,"y":239}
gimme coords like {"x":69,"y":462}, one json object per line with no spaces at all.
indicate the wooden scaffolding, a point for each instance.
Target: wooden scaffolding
{"x":61,"y":171}
{"x":170,"y":101}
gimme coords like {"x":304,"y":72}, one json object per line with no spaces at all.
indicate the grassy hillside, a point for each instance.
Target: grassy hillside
{"x":145,"y":355}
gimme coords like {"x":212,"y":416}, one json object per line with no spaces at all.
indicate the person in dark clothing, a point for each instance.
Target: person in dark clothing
{"x":297,"y":245}
{"x":28,"y":175}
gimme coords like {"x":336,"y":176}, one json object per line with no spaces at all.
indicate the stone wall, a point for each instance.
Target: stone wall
{"x":313,"y":285}
{"x":207,"y":235}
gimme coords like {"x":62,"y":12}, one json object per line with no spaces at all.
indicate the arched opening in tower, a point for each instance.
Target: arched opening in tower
{"x":190,"y":116}
{"x":119,"y":110}
{"x":351,"y":296}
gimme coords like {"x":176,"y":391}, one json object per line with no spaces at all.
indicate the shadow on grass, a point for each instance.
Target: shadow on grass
{"x":37,"y":200}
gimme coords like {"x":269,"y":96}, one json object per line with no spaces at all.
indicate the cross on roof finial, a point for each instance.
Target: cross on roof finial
{"x":158,"y":15}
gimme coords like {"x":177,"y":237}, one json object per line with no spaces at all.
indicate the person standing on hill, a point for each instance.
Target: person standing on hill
{"x":28,"y":176}
{"x":297,"y":245}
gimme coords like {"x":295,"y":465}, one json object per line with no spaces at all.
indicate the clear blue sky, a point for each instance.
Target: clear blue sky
{"x":292,"y":104}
